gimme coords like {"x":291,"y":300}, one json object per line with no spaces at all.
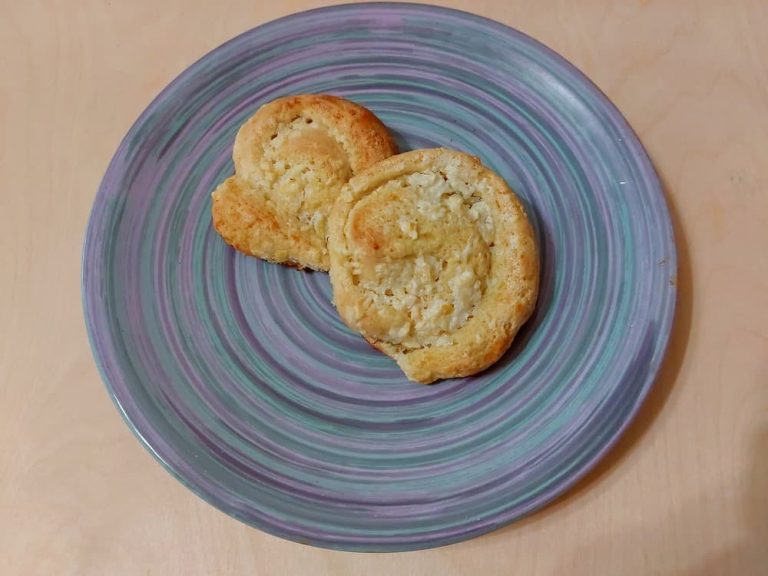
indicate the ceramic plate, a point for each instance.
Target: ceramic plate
{"x":239,"y":375}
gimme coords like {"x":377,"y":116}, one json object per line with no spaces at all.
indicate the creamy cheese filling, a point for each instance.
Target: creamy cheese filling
{"x":420,"y":252}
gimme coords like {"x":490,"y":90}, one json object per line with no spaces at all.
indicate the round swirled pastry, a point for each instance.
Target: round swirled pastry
{"x":433,"y":261}
{"x":291,"y":159}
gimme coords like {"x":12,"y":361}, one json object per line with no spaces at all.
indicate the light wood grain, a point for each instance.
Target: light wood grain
{"x":684,"y":493}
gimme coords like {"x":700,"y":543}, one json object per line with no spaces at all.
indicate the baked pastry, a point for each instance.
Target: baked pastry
{"x":433,"y":261}
{"x":291,"y":159}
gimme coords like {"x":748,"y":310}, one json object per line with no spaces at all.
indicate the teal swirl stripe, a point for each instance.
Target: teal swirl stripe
{"x":241,"y":379}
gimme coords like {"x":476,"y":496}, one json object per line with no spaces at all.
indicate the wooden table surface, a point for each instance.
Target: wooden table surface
{"x":685,"y":491}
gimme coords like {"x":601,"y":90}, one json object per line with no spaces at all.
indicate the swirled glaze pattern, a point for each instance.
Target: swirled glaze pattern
{"x":239,"y":376}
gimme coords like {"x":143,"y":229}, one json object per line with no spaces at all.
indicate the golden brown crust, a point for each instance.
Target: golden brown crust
{"x":433,"y":260}
{"x":246,"y":223}
{"x":291,"y":159}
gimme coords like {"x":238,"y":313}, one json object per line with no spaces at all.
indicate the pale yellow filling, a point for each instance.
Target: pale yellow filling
{"x":300,"y":172}
{"x":420,"y":252}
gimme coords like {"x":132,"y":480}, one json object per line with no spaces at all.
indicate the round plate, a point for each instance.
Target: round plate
{"x":240,"y":377}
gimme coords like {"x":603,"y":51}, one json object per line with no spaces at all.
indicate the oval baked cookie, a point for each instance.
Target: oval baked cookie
{"x":433,"y":261}
{"x":291,"y":159}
